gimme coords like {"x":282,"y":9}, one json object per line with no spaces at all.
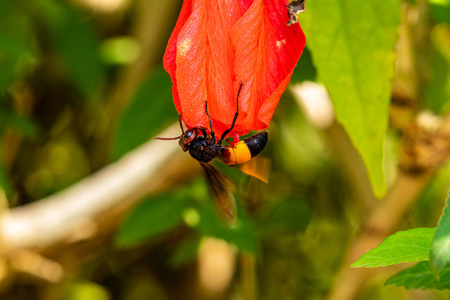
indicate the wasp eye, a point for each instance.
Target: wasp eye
{"x":189,"y":136}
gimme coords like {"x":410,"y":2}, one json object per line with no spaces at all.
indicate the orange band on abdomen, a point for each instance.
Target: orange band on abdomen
{"x":237,"y":154}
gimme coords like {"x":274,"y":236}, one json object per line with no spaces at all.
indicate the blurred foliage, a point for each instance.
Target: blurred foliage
{"x":438,"y":88}
{"x":86,"y":291}
{"x":152,"y":217}
{"x":67,"y":31}
{"x":440,"y":252}
{"x":305,"y":70}
{"x":63,"y":116}
{"x":419,"y":244}
{"x":143,"y":119}
{"x":440,"y":10}
{"x":420,"y":276}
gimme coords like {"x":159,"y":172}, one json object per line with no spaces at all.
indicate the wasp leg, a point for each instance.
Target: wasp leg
{"x":203,"y":131}
{"x":235,"y":116}
{"x":213,"y":136}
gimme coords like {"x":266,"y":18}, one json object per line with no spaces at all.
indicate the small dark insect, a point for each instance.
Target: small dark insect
{"x":204,"y":148}
{"x":293,"y":9}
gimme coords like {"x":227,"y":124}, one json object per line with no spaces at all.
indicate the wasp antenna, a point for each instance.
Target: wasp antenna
{"x":181,"y":126}
{"x":167,"y":139}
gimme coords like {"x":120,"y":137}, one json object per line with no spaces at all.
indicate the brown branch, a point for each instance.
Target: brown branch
{"x":59,"y":218}
{"x":69,"y":228}
{"x":93,"y":208}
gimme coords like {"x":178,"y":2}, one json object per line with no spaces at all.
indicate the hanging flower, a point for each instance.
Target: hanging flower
{"x":216,"y":46}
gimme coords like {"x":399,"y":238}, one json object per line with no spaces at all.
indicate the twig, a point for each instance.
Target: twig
{"x":57,"y":218}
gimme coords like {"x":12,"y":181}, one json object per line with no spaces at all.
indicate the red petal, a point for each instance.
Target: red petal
{"x":218,"y":44}
{"x":267,"y":51}
{"x":170,"y":54}
{"x":204,"y":63}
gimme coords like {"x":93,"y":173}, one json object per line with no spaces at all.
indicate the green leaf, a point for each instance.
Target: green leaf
{"x":150,"y":110}
{"x":420,"y":277}
{"x":403,"y":246}
{"x":152,"y":217}
{"x":440,"y":10}
{"x":77,"y":43}
{"x":352,"y":44}
{"x":440,"y":248}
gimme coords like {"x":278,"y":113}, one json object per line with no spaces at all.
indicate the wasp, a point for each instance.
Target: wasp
{"x":205,"y":147}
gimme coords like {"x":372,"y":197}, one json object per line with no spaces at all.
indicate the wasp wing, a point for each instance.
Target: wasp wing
{"x":258,"y":167}
{"x":222,"y":189}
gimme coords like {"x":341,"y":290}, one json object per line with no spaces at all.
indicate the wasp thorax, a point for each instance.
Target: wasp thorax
{"x":204,"y":150}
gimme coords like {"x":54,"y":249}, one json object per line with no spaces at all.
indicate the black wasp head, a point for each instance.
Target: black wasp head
{"x":187,"y":138}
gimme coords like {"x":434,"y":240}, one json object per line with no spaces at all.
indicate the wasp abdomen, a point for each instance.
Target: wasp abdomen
{"x":257,"y":142}
{"x":244,"y":150}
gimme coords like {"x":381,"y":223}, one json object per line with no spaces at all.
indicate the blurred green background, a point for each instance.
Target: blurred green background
{"x":82,"y":84}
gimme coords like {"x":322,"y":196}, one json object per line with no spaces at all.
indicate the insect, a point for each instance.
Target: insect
{"x":293,"y":9}
{"x":204,"y":148}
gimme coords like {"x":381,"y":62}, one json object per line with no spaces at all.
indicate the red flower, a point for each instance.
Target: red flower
{"x":218,"y":44}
